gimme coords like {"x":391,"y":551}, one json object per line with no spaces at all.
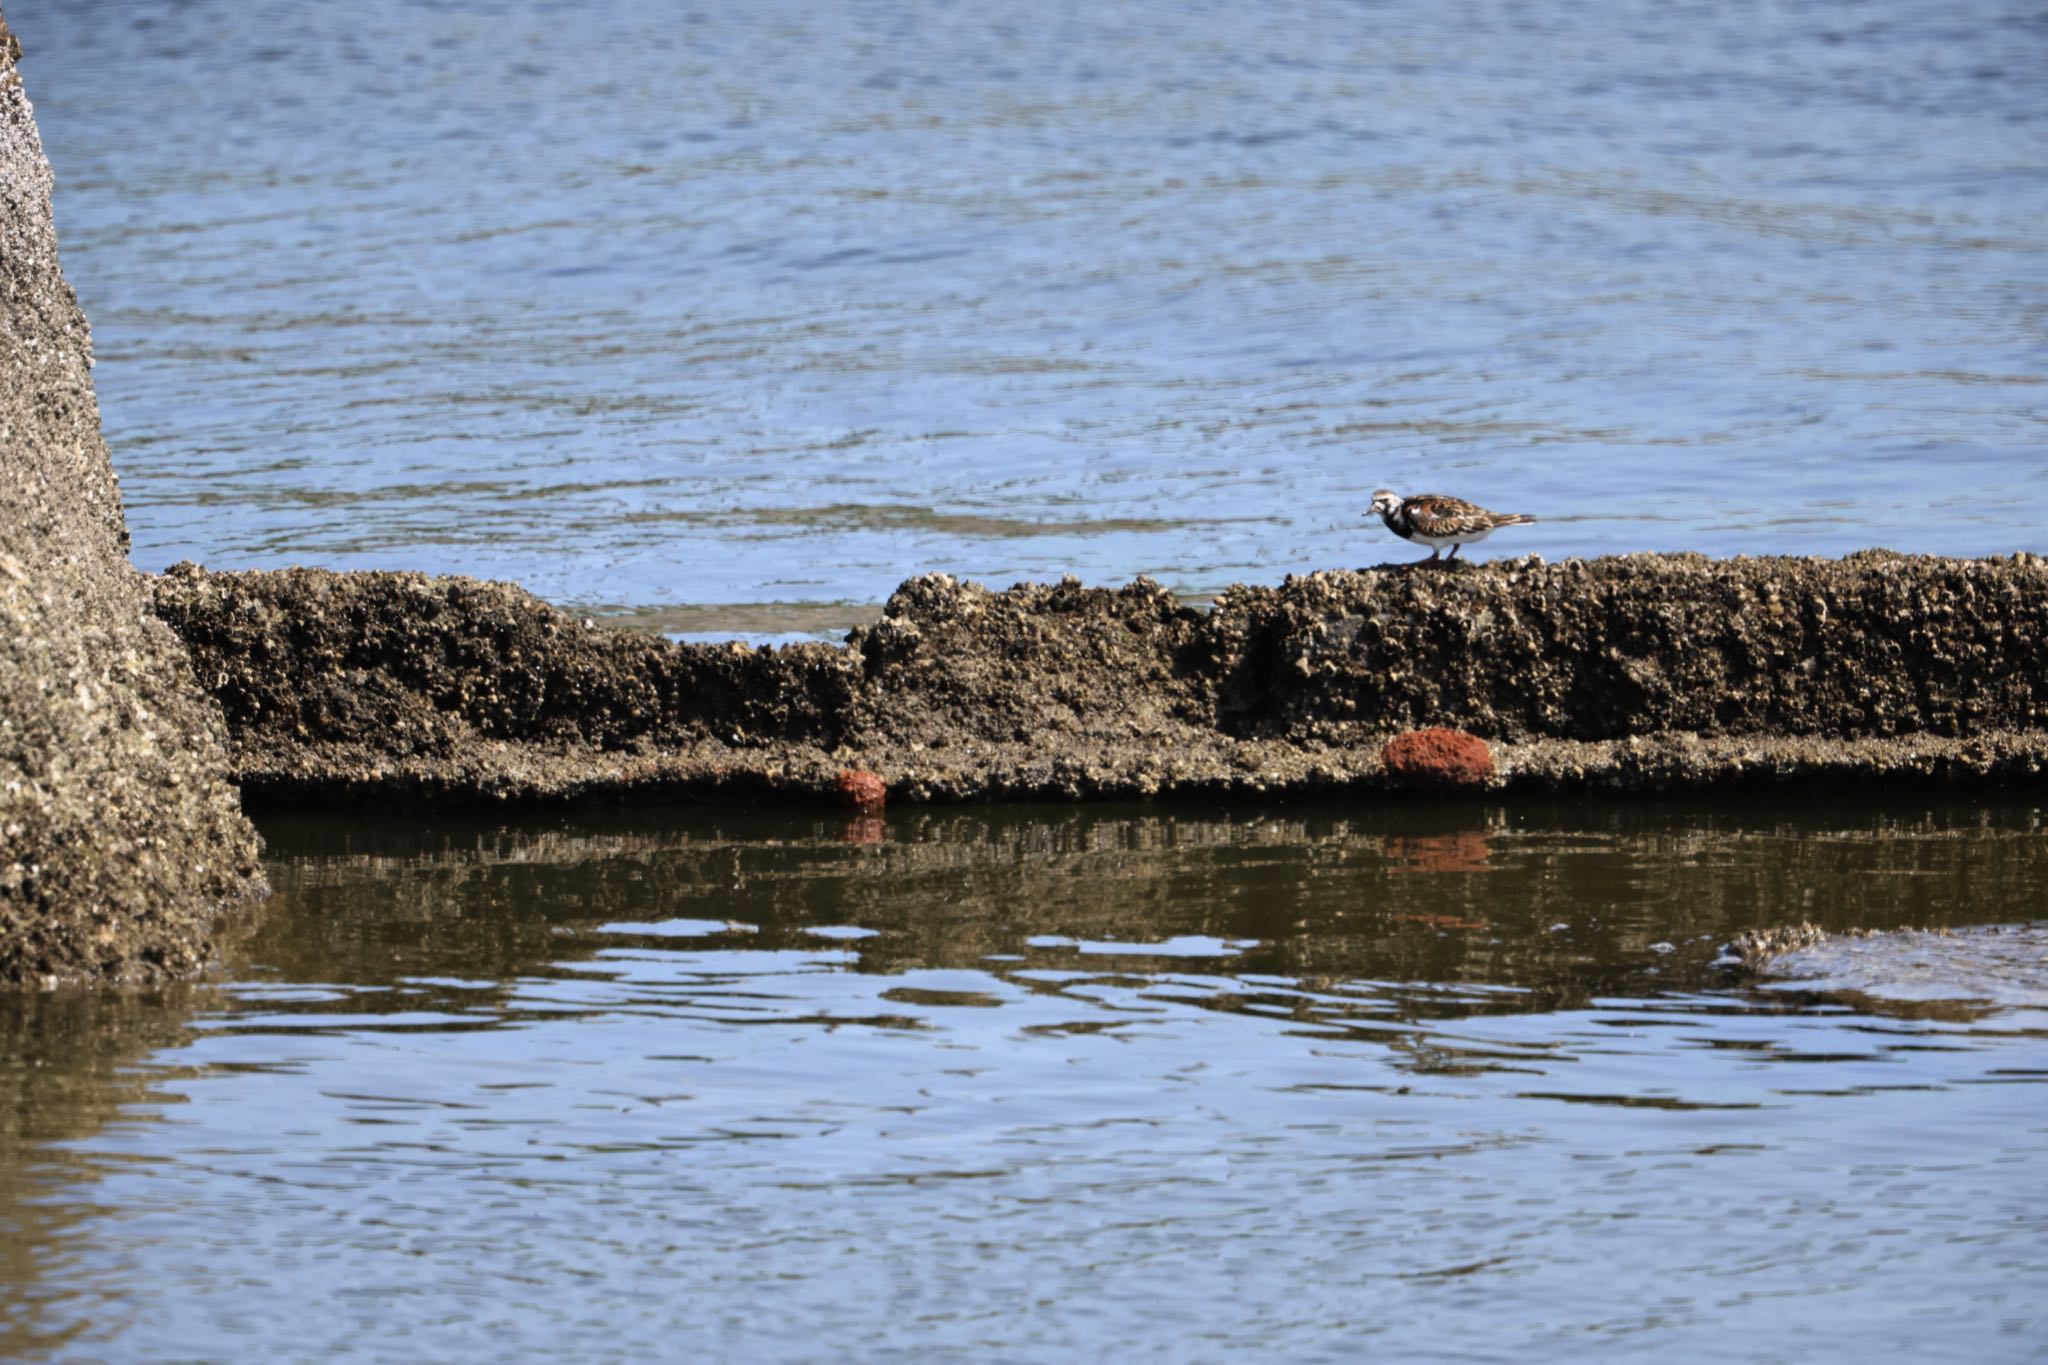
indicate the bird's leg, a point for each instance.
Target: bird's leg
{"x":1435,"y":552}
{"x":1454,"y":552}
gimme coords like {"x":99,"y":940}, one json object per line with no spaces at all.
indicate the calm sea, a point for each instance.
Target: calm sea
{"x":738,"y":314}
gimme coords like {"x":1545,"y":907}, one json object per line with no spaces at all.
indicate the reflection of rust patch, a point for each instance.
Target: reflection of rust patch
{"x":1439,"y":760}
{"x":1447,"y":921}
{"x":1465,"y":851}
{"x":864,"y":829}
{"x":863,"y":791}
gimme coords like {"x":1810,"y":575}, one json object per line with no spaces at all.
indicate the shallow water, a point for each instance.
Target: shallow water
{"x":734,"y":315}
{"x":1304,"y":1082}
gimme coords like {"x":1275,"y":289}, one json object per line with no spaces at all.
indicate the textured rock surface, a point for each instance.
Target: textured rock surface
{"x":119,"y":835}
{"x":1645,"y":673}
{"x":342,"y":685}
{"x":1875,"y":644}
{"x":1753,"y":949}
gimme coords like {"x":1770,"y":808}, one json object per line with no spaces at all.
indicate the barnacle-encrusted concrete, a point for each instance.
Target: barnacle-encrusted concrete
{"x":1643,"y":673}
{"x":119,"y":834}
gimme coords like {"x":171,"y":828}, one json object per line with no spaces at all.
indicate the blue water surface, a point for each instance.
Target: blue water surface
{"x":650,"y":306}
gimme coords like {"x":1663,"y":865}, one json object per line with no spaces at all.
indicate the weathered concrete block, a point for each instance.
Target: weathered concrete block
{"x":120,"y":835}
{"x":1871,"y":645}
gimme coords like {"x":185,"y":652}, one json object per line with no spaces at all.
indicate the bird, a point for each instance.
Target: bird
{"x":1437,"y":520}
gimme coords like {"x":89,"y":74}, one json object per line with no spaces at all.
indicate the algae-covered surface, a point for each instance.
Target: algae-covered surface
{"x":1416,"y":1081}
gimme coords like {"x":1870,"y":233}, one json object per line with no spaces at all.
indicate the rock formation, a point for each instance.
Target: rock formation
{"x":1646,"y":672}
{"x":120,"y":835}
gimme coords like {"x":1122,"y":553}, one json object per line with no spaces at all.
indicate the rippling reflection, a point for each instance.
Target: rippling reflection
{"x":1005,"y":1082}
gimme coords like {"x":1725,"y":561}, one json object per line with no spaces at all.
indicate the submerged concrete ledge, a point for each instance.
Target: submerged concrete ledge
{"x":1639,"y":673}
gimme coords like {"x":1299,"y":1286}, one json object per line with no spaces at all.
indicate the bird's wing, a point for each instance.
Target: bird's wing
{"x":1439,"y":514}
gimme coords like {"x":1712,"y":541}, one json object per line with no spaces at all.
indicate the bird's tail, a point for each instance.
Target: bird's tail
{"x":1516,"y":519}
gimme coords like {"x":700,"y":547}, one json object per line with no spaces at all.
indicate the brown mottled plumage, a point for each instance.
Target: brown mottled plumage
{"x":1437,"y":519}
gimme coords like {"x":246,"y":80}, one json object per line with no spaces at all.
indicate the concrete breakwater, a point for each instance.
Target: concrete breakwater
{"x":119,"y":834}
{"x":1648,"y":672}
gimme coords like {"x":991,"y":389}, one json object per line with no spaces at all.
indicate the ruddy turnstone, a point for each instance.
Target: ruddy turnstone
{"x":1437,"y":520}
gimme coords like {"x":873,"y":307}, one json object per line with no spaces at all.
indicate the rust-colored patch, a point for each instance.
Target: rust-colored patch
{"x":1439,"y":760}
{"x":1465,"y":851}
{"x":864,"y":791}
